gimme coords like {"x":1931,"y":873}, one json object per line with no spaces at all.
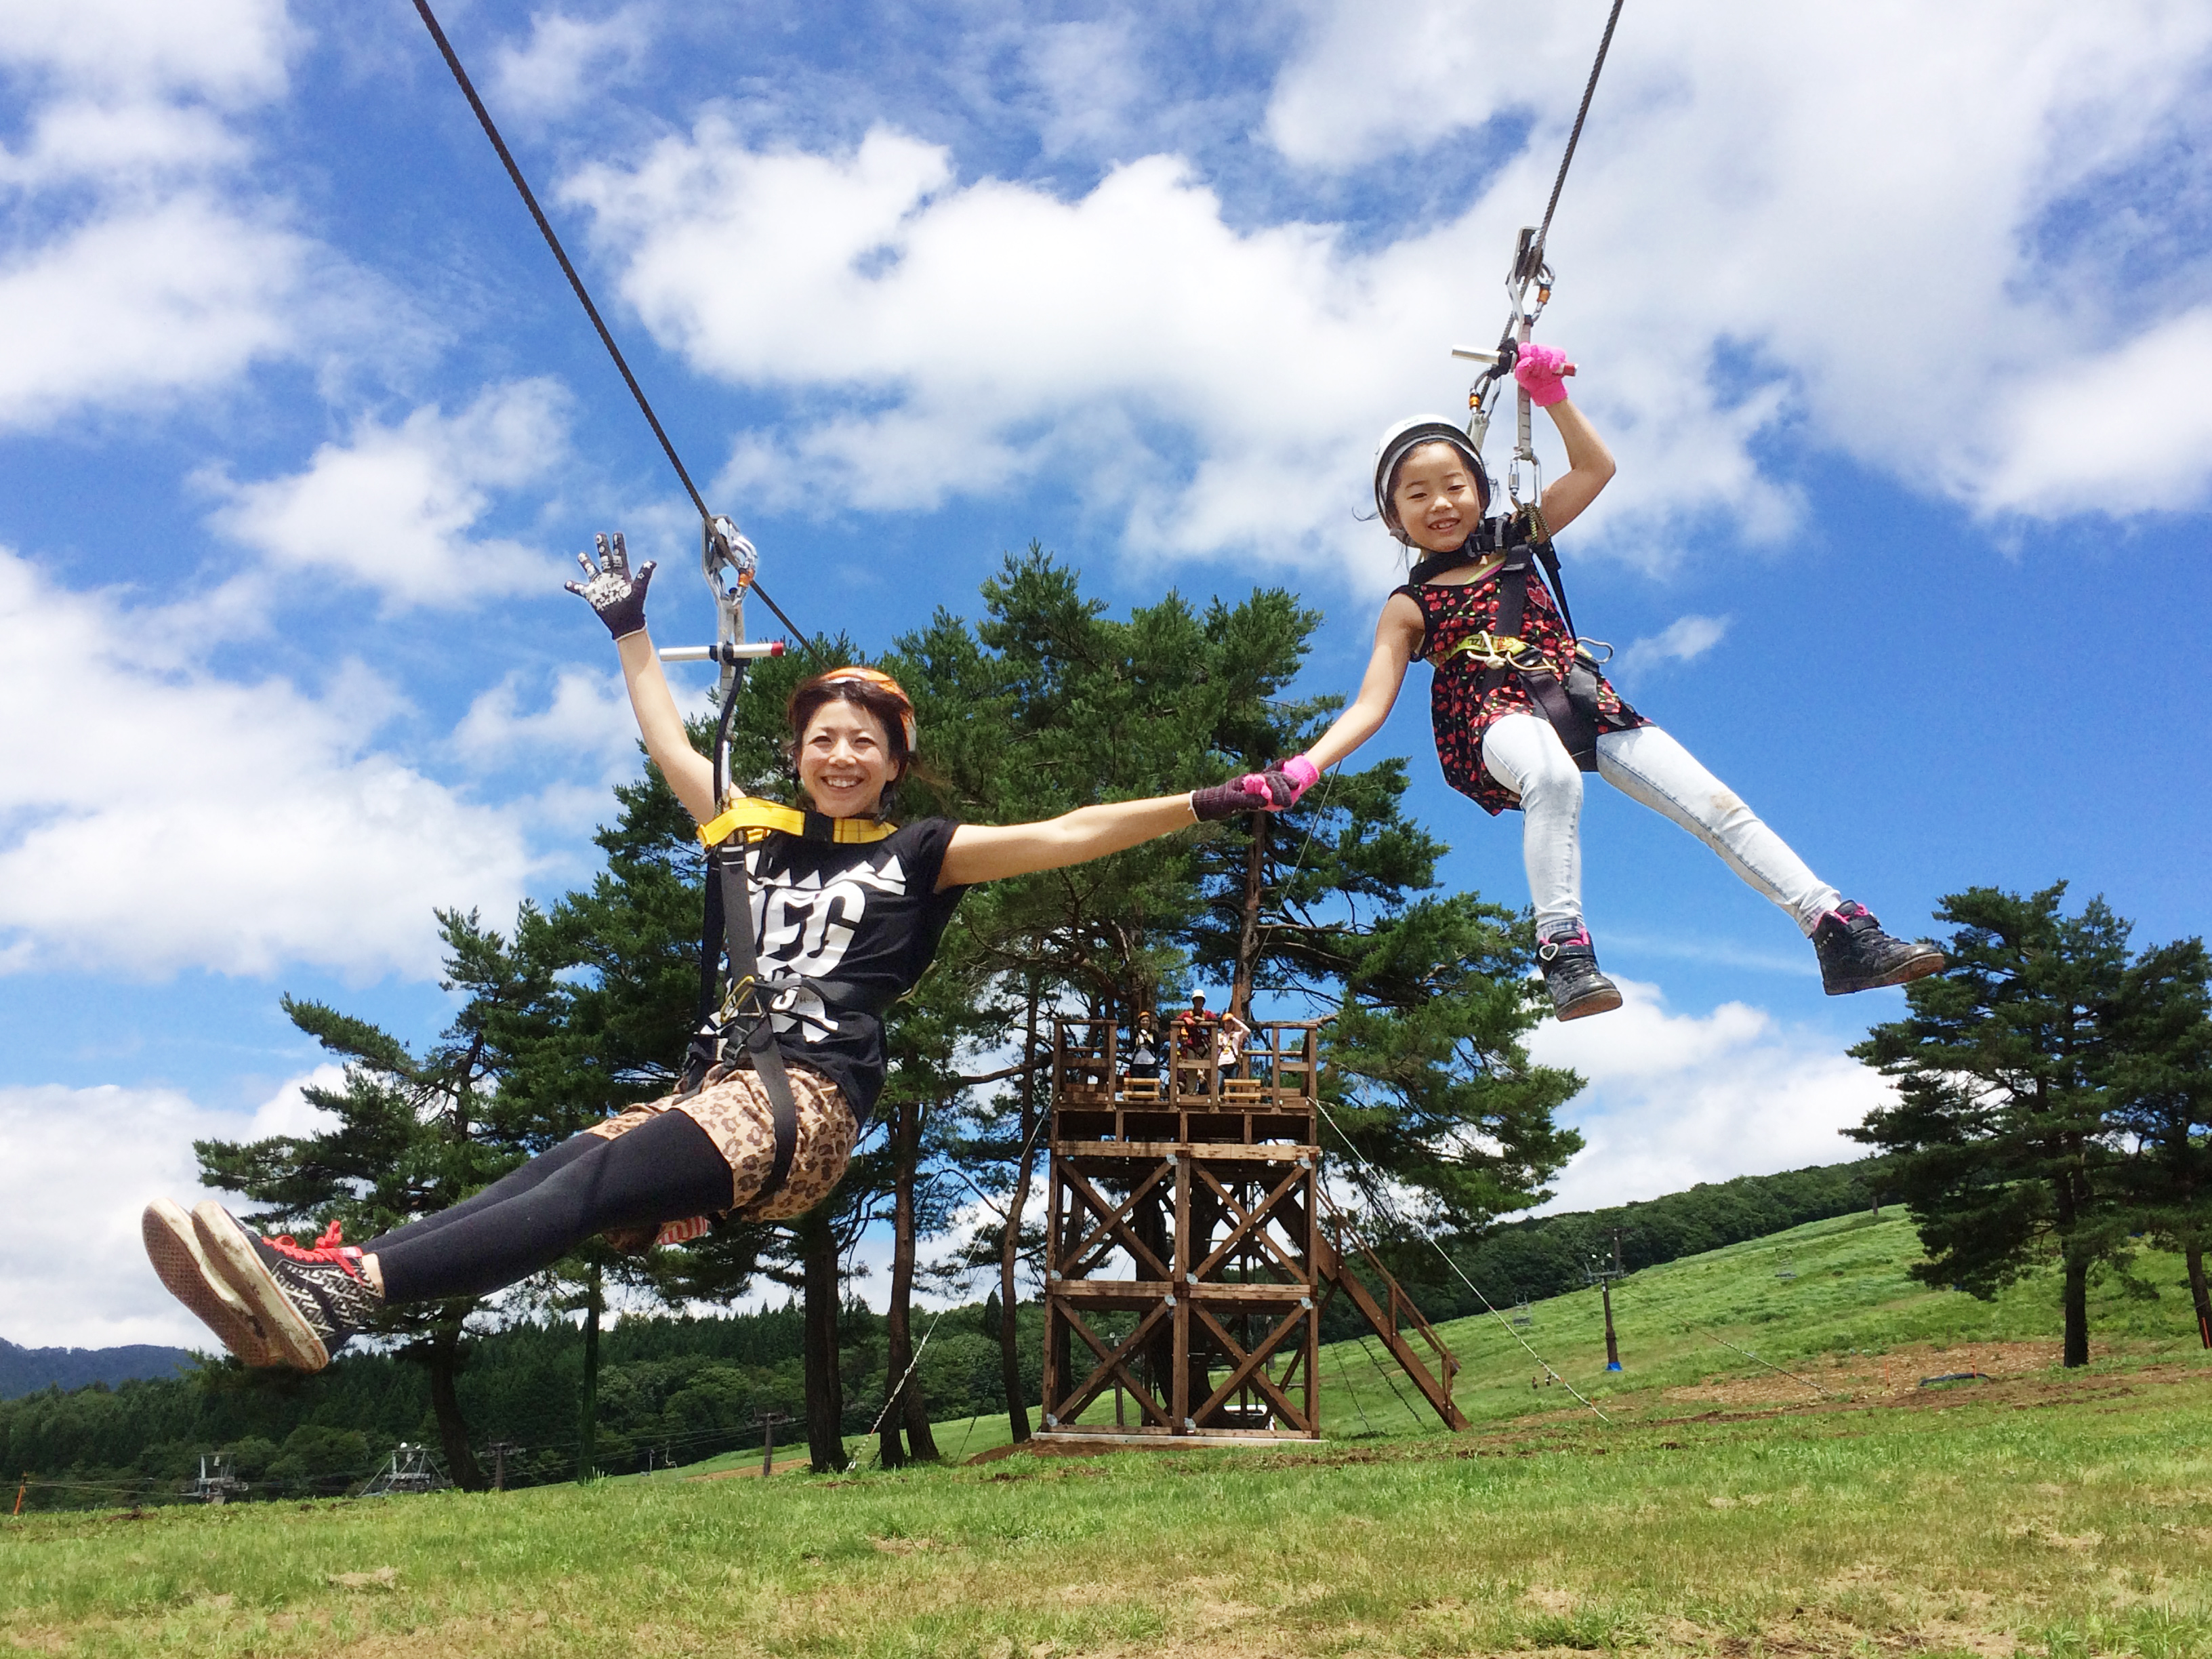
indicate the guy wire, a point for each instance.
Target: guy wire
{"x":1375,"y":1192}
{"x":545,"y":229}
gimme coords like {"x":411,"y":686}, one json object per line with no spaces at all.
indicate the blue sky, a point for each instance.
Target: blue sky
{"x":1897,"y":316}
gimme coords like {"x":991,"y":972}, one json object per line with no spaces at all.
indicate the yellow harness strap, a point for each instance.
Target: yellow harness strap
{"x":748,"y":813}
{"x":1493,"y":650}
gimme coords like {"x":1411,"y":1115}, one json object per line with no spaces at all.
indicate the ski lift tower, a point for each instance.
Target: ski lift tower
{"x":1601,"y":1272}
{"x":215,"y":1483}
{"x":409,"y":1471}
{"x":1190,"y":1249}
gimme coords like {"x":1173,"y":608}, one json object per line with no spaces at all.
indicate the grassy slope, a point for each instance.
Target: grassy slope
{"x":1725,"y":1510}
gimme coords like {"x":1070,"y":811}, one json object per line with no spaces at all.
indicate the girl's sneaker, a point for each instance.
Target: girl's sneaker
{"x":309,"y":1300}
{"x":1569,"y":963}
{"x":174,"y":1248}
{"x":1855,"y":955}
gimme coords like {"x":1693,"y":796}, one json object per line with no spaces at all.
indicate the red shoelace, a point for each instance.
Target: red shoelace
{"x":329,"y":1247}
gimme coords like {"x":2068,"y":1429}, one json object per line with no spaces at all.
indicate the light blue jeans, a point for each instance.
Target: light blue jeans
{"x":1523,"y":753}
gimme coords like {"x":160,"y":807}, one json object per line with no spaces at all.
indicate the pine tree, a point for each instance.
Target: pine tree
{"x":2161,"y":1087}
{"x":2000,"y":1141}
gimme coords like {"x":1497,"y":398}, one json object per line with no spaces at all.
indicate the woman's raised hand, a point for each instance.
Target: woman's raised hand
{"x":1539,"y":371}
{"x":611,"y":589}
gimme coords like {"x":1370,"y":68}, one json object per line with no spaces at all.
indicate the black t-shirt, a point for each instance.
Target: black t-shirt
{"x":866,"y":916}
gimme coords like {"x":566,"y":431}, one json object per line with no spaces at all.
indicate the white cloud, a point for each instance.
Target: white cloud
{"x":1675,"y":1099}
{"x":1843,"y":204}
{"x":390,"y":508}
{"x":588,"y":716}
{"x":230,"y":52}
{"x":996,"y":329}
{"x":1827,"y":218}
{"x":153,"y":817}
{"x":90,"y":1160}
{"x":1684,"y":639}
{"x":145,"y":303}
{"x":566,"y":58}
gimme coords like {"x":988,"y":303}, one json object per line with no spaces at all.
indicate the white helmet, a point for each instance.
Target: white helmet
{"x":1400,"y":439}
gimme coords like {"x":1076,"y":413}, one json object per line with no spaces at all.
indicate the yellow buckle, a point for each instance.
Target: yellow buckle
{"x":1490,"y":650}
{"x":748,"y":813}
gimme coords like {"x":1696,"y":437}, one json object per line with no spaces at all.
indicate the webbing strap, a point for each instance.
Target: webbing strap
{"x":760,"y":1035}
{"x":1577,"y":732}
{"x":747,"y":812}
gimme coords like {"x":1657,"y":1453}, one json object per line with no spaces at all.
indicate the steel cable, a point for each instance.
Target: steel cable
{"x":583,"y":295}
{"x":1575,"y":135}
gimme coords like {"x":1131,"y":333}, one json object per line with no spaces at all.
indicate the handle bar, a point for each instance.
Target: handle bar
{"x":726,"y":652}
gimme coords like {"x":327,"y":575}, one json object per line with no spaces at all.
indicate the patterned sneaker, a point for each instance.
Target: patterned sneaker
{"x":1855,"y":955}
{"x":174,"y":1249}
{"x":309,"y":1300}
{"x":1569,"y":963}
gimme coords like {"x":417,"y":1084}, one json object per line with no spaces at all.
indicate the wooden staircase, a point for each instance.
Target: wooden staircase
{"x":1394,"y":1317}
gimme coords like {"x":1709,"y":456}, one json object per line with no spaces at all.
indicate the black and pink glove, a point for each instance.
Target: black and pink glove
{"x":1272,"y":790}
{"x":1540,"y":371}
{"x":609,"y":588}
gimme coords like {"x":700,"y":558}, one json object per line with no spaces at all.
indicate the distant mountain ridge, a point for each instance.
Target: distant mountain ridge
{"x":27,"y":1370}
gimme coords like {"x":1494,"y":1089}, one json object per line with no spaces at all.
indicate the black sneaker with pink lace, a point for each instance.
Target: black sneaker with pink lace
{"x":1569,"y":964}
{"x":310,"y":1298}
{"x":1855,"y":955}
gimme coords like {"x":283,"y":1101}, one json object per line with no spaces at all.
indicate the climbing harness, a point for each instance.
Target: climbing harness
{"x":712,"y":524}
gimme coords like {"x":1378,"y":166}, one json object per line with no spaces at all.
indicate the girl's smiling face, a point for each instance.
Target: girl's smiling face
{"x":1438,"y":498}
{"x":844,"y":760}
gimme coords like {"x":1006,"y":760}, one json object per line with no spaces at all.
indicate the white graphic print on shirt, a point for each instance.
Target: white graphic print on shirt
{"x":802,"y":928}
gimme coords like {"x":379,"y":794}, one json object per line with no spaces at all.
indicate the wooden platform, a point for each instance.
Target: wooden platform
{"x":1190,"y":1249}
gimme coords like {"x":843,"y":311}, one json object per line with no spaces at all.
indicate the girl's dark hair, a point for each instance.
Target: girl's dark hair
{"x":879,"y":694}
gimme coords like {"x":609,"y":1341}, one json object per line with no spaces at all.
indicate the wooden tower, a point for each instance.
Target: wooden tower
{"x":1190,"y":1249}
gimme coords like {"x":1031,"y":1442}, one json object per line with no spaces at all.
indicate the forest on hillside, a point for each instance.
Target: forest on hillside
{"x":676,"y":1388}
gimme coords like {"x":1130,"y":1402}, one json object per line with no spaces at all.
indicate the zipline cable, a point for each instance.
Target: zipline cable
{"x":1574,"y":136}
{"x":583,"y":295}
{"x":1770,"y":1365}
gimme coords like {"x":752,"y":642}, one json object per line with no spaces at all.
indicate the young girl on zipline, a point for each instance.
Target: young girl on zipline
{"x":846,"y":915}
{"x":1521,"y":711}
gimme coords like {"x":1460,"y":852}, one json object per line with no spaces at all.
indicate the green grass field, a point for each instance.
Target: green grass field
{"x":1725,"y":1510}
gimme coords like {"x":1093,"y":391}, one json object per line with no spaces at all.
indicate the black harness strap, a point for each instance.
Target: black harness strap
{"x":729,"y":931}
{"x":751,"y":1005}
{"x":1574,"y":717}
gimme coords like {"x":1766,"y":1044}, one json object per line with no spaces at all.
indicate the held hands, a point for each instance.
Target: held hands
{"x":1272,"y":790}
{"x":1539,"y":370}
{"x":611,"y":589}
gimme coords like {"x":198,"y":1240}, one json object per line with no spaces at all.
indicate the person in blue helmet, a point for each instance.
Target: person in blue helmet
{"x":1521,"y":711}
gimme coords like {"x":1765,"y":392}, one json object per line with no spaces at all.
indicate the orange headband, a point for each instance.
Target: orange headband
{"x":882,"y":682}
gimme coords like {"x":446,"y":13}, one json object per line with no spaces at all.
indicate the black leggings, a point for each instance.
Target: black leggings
{"x":665,"y":1170}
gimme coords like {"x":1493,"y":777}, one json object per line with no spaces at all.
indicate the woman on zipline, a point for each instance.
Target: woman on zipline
{"x":1505,"y":685}
{"x":856,"y":915}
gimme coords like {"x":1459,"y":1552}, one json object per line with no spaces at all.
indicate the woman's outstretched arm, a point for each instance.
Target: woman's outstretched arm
{"x":981,"y":852}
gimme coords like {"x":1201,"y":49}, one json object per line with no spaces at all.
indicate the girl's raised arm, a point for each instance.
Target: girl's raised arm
{"x":1590,"y":463}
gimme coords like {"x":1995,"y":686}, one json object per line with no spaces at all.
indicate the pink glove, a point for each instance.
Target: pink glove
{"x":1272,"y":790}
{"x":1540,"y":370}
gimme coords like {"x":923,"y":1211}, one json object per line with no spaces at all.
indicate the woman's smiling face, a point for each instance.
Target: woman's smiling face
{"x":1438,"y":498}
{"x":844,"y":760}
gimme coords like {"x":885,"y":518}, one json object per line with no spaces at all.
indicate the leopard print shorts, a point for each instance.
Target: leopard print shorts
{"x":732,"y":1107}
